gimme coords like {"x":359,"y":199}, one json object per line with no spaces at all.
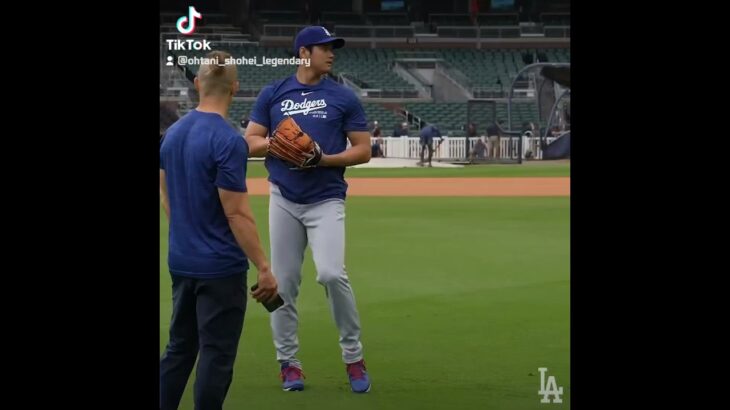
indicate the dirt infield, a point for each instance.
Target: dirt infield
{"x":559,"y":186}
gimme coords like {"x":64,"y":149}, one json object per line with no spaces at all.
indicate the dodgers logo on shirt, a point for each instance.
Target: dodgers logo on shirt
{"x":316,"y":107}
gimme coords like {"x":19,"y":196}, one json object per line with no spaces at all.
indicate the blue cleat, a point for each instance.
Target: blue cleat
{"x":359,"y":380}
{"x":291,"y":376}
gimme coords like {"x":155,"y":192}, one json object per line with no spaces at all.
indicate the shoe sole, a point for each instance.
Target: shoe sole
{"x":366,"y":391}
{"x":295,"y":388}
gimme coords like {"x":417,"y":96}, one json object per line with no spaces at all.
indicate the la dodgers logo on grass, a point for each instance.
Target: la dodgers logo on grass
{"x":550,"y":389}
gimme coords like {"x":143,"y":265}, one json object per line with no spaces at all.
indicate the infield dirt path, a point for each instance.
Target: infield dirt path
{"x":553,"y":186}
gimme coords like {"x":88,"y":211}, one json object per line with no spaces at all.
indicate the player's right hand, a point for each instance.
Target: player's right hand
{"x":313,"y":157}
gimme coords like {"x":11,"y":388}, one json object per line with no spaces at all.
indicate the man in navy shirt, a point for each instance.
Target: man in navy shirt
{"x":307,"y":206}
{"x":427,"y":134}
{"x":212,"y":237}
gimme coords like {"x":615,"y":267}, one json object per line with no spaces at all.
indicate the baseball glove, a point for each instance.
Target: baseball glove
{"x":289,"y":143}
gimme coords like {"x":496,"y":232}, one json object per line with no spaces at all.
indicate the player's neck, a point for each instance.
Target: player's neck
{"x":307,"y":76}
{"x":214,"y":105}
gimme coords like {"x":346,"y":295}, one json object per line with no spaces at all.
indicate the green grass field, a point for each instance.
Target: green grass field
{"x":461,"y":300}
{"x":533,"y":169}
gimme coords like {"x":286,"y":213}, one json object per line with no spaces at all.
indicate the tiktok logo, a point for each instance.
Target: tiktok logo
{"x":190,"y":20}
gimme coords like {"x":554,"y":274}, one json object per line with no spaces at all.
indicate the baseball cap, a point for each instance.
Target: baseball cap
{"x":312,"y":35}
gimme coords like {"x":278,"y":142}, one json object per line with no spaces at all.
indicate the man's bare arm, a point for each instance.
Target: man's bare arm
{"x":358,"y":153}
{"x":163,"y":194}
{"x":258,"y":144}
{"x":240,"y":219}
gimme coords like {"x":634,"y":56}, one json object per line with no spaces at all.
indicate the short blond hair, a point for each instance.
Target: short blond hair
{"x":217,"y":78}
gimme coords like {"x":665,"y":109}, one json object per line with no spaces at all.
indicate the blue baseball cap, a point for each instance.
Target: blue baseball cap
{"x":312,"y":35}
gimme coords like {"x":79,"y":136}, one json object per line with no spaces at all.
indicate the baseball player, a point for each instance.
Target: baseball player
{"x":307,"y":203}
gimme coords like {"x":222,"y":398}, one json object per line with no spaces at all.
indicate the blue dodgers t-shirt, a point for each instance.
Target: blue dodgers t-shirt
{"x":326,"y":111}
{"x":200,"y":153}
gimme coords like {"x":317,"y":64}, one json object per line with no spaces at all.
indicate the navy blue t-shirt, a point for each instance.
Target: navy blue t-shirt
{"x":428,"y":133}
{"x":326,"y":111}
{"x":200,"y":153}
